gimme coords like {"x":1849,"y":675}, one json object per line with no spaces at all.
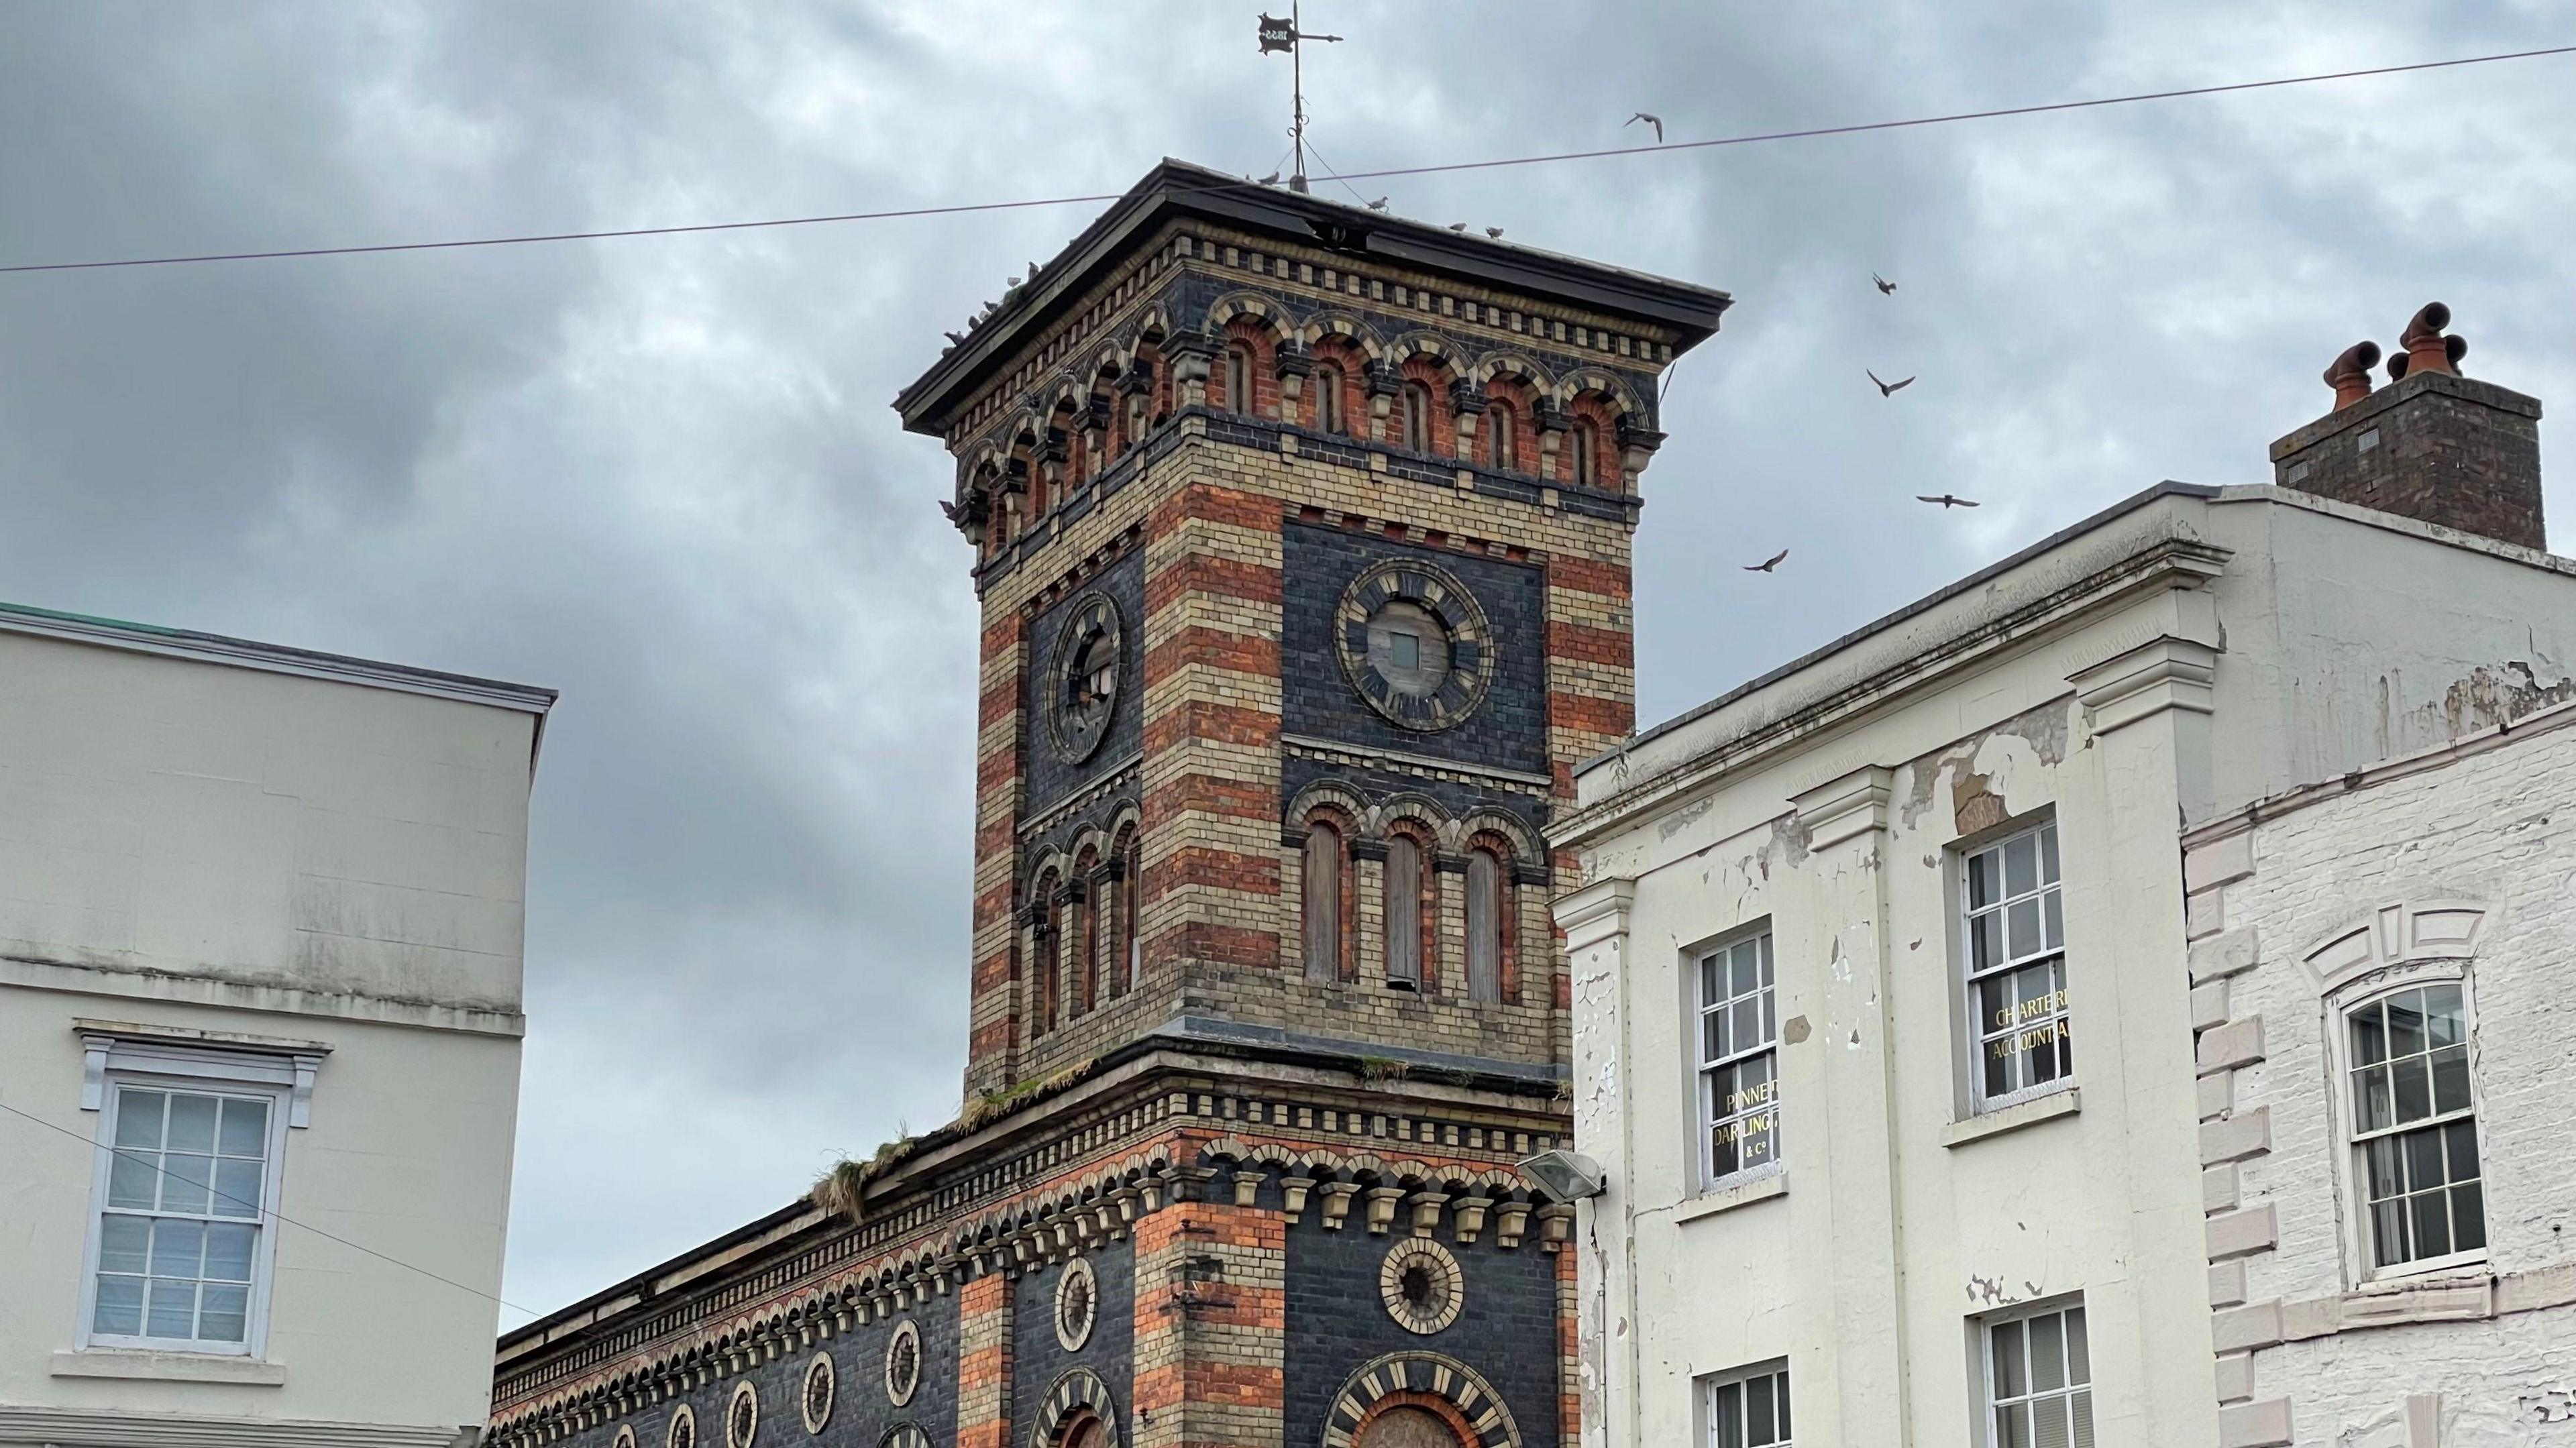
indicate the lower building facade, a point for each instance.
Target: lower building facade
{"x":2108,"y":1000}
{"x":260,"y":954}
{"x":1170,"y":1251}
{"x":2380,"y":965}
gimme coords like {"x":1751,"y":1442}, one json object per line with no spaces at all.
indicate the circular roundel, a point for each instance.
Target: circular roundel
{"x":903,"y":1363}
{"x":1415,"y":644}
{"x":904,"y":1435}
{"x":625,"y":1439}
{"x":1077,"y":1304}
{"x":742,"y":1415}
{"x":1084,"y":691}
{"x":683,"y":1432}
{"x":815,"y":1397}
{"x":1399,"y":1387}
{"x":1078,"y":1414}
{"x":1421,"y":1285}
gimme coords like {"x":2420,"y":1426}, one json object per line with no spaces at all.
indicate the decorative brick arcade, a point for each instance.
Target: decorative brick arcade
{"x":1302,"y":535}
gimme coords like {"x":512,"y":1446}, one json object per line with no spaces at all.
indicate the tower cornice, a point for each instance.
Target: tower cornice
{"x":1178,"y":189}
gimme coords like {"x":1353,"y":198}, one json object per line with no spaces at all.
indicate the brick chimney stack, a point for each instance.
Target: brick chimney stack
{"x":2432,"y":445}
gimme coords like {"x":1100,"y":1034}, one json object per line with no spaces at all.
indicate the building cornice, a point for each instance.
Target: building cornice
{"x":1176,"y":189}
{"x":1789,"y":708}
{"x":272,"y":658}
{"x":2389,"y":771}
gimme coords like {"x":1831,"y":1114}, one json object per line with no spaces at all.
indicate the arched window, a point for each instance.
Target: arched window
{"x":1404,"y":911}
{"x":1131,"y":883}
{"x":1487,"y":900}
{"x":1417,"y":417}
{"x":1238,"y":379}
{"x":1586,"y":442}
{"x":1506,"y":447}
{"x":1328,"y":398}
{"x":1045,"y":944}
{"x":1322,"y":917}
{"x":1082,"y":975}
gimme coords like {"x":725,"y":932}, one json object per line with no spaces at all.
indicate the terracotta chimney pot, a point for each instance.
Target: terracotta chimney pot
{"x":2423,"y":348}
{"x":2349,"y":373}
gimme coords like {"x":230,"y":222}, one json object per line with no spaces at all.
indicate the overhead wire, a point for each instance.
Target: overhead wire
{"x":266,"y":1212}
{"x":1441,"y":168}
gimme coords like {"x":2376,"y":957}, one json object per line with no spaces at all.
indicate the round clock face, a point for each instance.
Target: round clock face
{"x":1083,"y":693}
{"x":1415,"y":644}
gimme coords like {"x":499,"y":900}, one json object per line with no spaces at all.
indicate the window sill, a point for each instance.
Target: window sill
{"x":1739,"y":1194}
{"x":2014,"y":1117}
{"x":168,"y":1367}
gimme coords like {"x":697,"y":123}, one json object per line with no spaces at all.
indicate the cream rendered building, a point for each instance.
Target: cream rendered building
{"x":1884,"y":988}
{"x":260,"y":953}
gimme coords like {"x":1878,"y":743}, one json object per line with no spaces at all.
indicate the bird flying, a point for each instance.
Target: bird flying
{"x":1947,"y":500}
{"x":1378,"y":205}
{"x":1886,"y":288}
{"x":1649,"y":118}
{"x":1890,"y":389}
{"x":1767,"y":564}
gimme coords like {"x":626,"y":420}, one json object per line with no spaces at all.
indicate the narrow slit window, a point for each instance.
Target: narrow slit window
{"x":1487,"y":897}
{"x":1404,"y":911}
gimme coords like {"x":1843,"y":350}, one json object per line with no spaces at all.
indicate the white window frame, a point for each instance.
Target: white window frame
{"x":1974,"y":1042}
{"x":1712,"y":1384}
{"x":180,"y":1063}
{"x":1987,"y":1406}
{"x":2351,"y":1141}
{"x":1702,"y":1111}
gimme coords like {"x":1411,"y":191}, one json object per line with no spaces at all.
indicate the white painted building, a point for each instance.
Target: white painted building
{"x":260,"y":955}
{"x":2382,"y":964}
{"x":1885,"y":996}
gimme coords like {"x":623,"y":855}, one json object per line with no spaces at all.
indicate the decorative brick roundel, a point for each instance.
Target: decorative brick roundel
{"x":683,"y":1432}
{"x":1084,"y":692}
{"x":1420,"y":1379}
{"x":1421,"y":1285}
{"x":1415,"y":643}
{"x":625,"y":1439}
{"x":815,"y":1397}
{"x":742,"y":1416}
{"x":903,"y":1363}
{"x":1077,"y":1304}
{"x":1078,"y":1399}
{"x":904,"y":1435}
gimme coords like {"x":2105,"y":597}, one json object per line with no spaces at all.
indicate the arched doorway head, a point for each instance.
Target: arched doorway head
{"x":1419,"y":1400}
{"x":1408,"y":1425}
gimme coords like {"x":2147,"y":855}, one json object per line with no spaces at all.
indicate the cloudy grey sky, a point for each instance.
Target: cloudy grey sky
{"x":661,"y":474}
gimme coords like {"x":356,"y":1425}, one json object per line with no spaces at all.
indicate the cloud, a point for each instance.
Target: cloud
{"x":660,"y":474}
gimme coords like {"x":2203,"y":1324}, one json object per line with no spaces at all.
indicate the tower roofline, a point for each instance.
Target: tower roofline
{"x":1179,"y":188}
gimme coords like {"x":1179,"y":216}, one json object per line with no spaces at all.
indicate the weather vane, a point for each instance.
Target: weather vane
{"x":1278,"y":35}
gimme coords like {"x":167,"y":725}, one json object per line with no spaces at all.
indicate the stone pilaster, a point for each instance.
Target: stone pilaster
{"x":1845,"y":821}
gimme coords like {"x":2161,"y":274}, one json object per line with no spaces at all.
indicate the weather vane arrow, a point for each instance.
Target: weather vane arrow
{"x":1277,"y":35}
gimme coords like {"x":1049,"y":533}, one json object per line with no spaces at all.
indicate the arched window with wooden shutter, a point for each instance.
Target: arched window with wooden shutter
{"x":1321,"y":919}
{"x":1488,"y":904}
{"x":1404,"y":911}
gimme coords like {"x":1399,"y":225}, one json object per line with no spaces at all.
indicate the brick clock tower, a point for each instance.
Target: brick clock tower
{"x":1302,"y":536}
